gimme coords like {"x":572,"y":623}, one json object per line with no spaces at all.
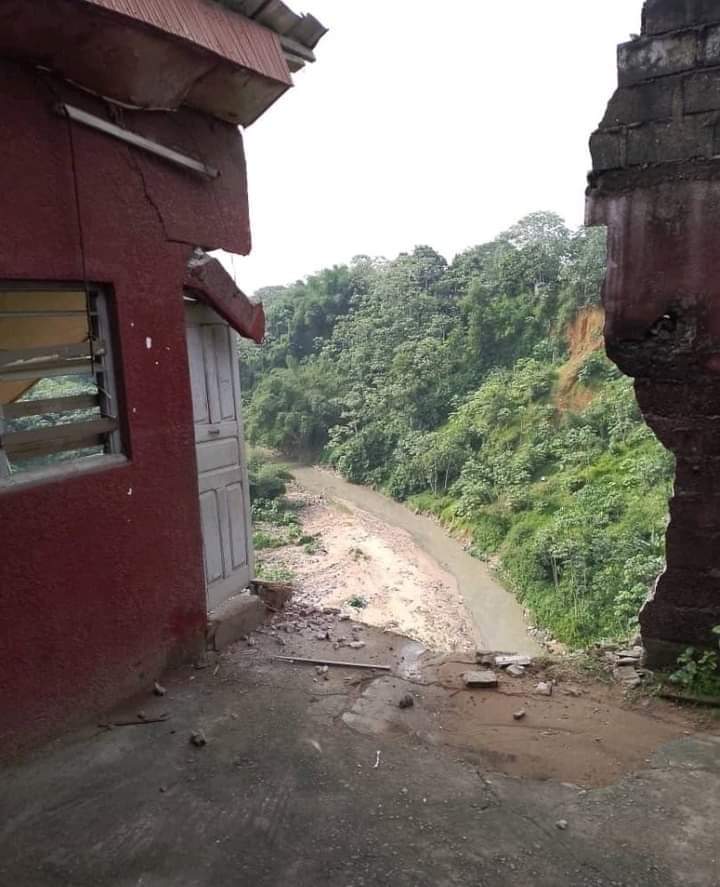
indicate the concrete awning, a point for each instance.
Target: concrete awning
{"x":210,"y":283}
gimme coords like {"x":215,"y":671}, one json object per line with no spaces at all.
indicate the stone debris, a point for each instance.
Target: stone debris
{"x":627,"y":675}
{"x":480,"y":679}
{"x":406,"y":702}
{"x":198,"y":739}
{"x":561,"y":824}
{"x":519,"y":715}
{"x":158,"y":689}
{"x":544,"y":689}
{"x":506,"y":661}
{"x":356,"y":645}
{"x":573,"y":691}
{"x":322,"y":669}
{"x":515,"y":671}
{"x":484,"y":658}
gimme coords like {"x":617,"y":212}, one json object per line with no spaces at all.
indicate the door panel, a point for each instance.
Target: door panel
{"x":222,"y":473}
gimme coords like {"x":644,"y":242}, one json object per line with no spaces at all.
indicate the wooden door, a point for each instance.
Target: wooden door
{"x":220,"y":449}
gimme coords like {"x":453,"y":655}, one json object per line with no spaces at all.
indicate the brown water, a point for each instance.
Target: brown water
{"x":498,"y":618}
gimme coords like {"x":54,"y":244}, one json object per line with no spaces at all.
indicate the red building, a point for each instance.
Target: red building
{"x":123,"y":495}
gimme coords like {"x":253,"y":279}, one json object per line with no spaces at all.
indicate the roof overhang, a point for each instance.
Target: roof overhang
{"x":159,"y":54}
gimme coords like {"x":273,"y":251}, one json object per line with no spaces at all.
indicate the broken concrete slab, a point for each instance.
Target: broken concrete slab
{"x":237,"y":617}
{"x":506,"y":661}
{"x":480,"y":679}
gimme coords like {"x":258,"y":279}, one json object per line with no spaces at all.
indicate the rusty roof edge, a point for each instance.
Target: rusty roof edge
{"x":304,"y":30}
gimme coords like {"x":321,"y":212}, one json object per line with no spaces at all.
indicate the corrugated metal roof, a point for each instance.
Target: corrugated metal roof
{"x":276,"y":15}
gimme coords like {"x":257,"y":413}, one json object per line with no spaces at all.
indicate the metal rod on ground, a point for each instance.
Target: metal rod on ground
{"x":301,"y":661}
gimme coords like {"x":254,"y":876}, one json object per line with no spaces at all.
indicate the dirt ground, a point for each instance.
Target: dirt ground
{"x":312,"y":779}
{"x":360,"y":557}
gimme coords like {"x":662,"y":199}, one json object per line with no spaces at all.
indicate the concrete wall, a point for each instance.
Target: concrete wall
{"x":101,"y":577}
{"x":656,"y":185}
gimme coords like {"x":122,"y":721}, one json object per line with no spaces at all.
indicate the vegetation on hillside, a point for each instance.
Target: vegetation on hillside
{"x":479,"y":391}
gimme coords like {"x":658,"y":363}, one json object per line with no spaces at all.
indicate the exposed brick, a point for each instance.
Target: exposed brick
{"x":688,"y":139}
{"x":657,"y":56}
{"x":690,"y":549}
{"x":643,"y":103}
{"x":671,"y":15}
{"x":709,"y":53}
{"x":701,"y":92}
{"x":608,"y":150}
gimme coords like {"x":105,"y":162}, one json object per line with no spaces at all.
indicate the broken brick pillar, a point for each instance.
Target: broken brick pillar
{"x":656,"y":186}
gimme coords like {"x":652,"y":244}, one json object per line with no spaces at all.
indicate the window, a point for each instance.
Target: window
{"x":58,"y":398}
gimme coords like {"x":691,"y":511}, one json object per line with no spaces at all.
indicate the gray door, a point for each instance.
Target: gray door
{"x":220,"y":448}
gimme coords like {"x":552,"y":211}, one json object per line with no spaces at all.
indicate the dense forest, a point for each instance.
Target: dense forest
{"x":479,"y":391}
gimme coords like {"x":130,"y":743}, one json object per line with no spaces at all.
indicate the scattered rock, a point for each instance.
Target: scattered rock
{"x":484,"y":658}
{"x":322,"y":636}
{"x":251,"y":642}
{"x":158,"y":689}
{"x":628,"y":675}
{"x":515,"y":671}
{"x":561,"y":824}
{"x":406,"y":702}
{"x":281,"y":642}
{"x":506,"y":661}
{"x":544,"y":689}
{"x":356,"y":645}
{"x":322,"y":669}
{"x":519,"y":715}
{"x":480,"y":679}
{"x":574,"y":691}
{"x":198,"y":739}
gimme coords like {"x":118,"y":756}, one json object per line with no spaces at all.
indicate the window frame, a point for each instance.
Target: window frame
{"x":108,"y":427}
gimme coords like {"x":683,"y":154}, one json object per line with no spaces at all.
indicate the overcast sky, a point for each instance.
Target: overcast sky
{"x":436,"y":122}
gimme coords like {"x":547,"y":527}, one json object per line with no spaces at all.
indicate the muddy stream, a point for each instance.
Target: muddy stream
{"x":498,"y":619}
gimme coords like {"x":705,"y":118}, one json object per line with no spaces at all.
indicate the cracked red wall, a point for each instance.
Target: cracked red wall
{"x":101,"y":574}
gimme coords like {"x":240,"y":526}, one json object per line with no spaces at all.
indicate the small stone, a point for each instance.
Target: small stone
{"x":515,"y":671}
{"x":356,"y":645}
{"x":198,"y":739}
{"x":281,"y":642}
{"x":345,"y":617}
{"x":544,"y":689}
{"x":561,"y":824}
{"x":574,"y":691}
{"x":322,"y":636}
{"x":519,"y":715}
{"x":480,"y":679}
{"x":322,"y":669}
{"x":406,"y":702}
{"x":251,"y":642}
{"x":158,"y":689}
{"x":484,"y":658}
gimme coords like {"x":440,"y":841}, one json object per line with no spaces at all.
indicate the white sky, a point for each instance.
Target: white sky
{"x":422,"y":122}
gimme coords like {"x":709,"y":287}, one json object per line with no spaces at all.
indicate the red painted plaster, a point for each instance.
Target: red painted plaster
{"x":101,"y":575}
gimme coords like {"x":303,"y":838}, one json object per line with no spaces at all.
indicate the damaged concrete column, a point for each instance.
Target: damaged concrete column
{"x":656,"y":185}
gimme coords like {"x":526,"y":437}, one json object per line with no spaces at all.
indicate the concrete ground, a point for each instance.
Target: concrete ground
{"x":308,"y":781}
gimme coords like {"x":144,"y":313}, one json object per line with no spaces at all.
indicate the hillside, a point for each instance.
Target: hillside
{"x":479,"y":391}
